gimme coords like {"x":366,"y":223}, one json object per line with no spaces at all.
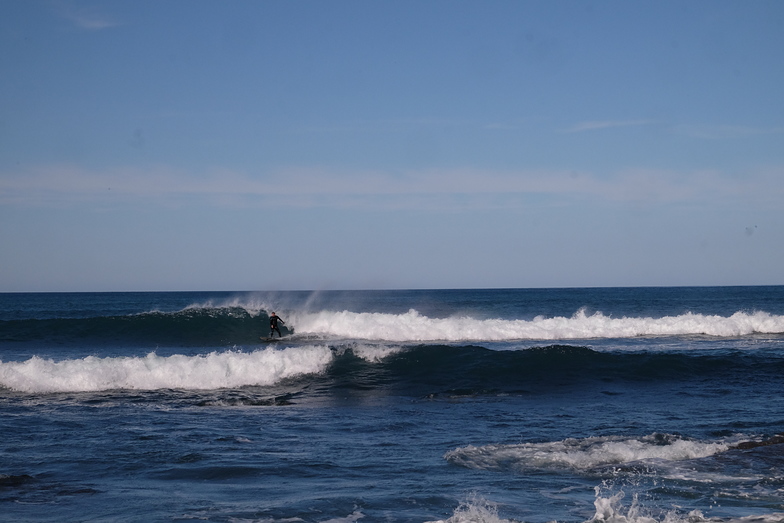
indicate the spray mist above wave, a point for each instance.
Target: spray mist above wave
{"x":412,"y":326}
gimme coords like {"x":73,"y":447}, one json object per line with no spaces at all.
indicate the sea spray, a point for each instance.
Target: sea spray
{"x":475,"y":510}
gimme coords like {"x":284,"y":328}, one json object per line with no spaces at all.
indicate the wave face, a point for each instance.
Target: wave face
{"x":424,"y":370}
{"x":192,"y":326}
{"x":205,"y":326}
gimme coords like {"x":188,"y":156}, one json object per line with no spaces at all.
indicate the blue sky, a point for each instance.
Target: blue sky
{"x":249,"y":145}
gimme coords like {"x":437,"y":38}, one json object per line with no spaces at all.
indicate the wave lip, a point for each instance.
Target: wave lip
{"x":206,"y":372}
{"x":581,"y":454}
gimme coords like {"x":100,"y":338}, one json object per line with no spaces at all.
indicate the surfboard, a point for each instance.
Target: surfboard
{"x":268,"y":340}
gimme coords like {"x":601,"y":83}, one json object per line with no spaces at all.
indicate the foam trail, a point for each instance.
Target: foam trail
{"x":581,"y":454}
{"x":412,"y":326}
{"x":212,"y":371}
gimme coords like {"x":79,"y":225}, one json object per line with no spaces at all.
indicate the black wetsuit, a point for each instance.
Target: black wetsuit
{"x":274,"y":319}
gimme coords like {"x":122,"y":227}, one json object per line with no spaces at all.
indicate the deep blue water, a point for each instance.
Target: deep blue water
{"x":623,"y":405}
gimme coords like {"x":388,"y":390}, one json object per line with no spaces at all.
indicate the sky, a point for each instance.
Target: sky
{"x":311,"y":145}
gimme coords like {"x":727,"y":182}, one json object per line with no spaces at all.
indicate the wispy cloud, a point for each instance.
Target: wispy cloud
{"x":500,"y":126}
{"x":605,"y":124}
{"x":87,"y":18}
{"x":702,"y":131}
{"x":722,"y":132}
{"x":454,"y":188}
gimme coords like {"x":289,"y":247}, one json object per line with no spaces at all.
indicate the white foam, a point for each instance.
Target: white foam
{"x":351,"y":518}
{"x":611,"y":510}
{"x":374,"y":353}
{"x":412,"y":326}
{"x":205,"y":372}
{"x":475,"y":510}
{"x":580,"y":454}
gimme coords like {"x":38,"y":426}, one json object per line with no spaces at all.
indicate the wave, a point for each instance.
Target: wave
{"x":424,"y":370}
{"x":237,"y":325}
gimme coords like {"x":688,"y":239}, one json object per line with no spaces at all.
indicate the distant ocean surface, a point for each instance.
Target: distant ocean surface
{"x":623,"y":405}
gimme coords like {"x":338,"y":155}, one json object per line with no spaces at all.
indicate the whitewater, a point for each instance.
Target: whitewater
{"x":238,"y":367}
{"x":413,"y":326}
{"x":211,"y":371}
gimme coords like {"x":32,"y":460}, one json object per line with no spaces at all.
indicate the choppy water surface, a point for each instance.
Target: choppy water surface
{"x":623,"y":405}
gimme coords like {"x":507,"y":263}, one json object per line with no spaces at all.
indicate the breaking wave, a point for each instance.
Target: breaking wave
{"x":235,"y":325}
{"x":412,"y":326}
{"x":211,"y":371}
{"x":422,"y":370}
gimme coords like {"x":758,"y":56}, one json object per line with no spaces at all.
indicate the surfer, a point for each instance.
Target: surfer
{"x":274,"y":319}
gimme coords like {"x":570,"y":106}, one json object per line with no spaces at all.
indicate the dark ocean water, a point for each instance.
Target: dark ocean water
{"x":631,"y":405}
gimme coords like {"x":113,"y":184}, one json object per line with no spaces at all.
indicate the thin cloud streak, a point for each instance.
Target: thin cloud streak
{"x":724,"y":132}
{"x":86,"y":18}
{"x":64,"y":185}
{"x":605,"y":124}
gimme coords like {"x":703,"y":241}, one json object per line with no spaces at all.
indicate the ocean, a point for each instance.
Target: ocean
{"x":622,"y":405}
